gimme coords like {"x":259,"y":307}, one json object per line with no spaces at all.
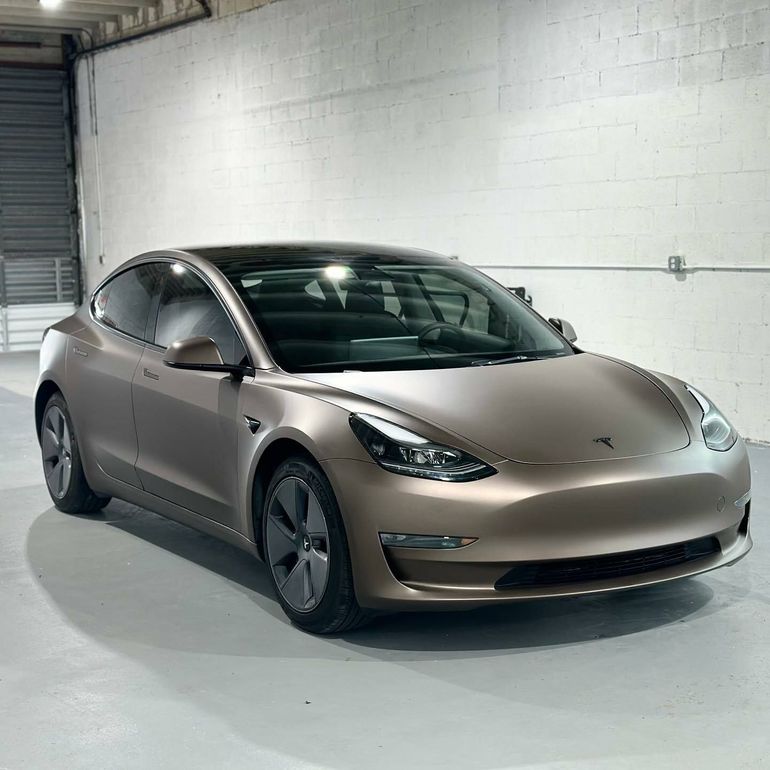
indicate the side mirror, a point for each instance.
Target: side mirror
{"x":201,"y":354}
{"x":564,"y":327}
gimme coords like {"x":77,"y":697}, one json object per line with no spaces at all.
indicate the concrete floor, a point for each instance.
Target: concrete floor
{"x":129,"y":641}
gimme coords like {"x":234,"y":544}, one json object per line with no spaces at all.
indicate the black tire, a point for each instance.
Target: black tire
{"x":74,"y":496}
{"x":338,"y":610}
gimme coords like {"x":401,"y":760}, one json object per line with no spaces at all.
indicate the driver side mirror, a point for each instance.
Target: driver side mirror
{"x":564,"y":327}
{"x":201,"y":354}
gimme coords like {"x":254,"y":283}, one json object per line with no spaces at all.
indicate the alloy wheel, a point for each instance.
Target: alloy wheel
{"x":297,"y":544}
{"x":57,"y":452}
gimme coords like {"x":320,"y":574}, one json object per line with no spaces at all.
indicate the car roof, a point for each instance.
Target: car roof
{"x":279,"y":253}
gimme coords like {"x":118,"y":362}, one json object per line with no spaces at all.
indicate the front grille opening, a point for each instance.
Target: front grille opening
{"x":558,"y":571}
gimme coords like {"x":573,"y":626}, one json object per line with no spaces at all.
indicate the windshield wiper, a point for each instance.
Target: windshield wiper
{"x":508,"y":360}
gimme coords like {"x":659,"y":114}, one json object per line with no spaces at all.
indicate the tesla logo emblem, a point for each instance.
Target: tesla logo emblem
{"x":606,"y":440}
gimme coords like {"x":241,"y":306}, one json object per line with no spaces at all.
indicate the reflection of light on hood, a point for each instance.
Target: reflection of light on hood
{"x":337,"y":272}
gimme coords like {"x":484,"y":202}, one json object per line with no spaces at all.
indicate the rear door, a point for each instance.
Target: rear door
{"x":101,"y":361}
{"x":187,"y":421}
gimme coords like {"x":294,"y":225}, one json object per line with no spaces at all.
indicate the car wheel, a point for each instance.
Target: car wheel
{"x":62,"y":465}
{"x":307,"y":552}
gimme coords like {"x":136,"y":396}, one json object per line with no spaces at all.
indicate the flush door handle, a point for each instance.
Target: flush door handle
{"x":79,"y":352}
{"x":151,"y":375}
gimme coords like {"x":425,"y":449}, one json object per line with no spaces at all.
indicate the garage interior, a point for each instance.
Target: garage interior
{"x":611,"y":157}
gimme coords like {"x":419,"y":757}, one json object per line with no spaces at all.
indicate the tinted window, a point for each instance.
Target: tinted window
{"x":124,"y":302}
{"x":188,"y":308}
{"x":362,"y":313}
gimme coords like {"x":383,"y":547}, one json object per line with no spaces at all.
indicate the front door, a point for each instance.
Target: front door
{"x":187,"y":421}
{"x":102,"y":359}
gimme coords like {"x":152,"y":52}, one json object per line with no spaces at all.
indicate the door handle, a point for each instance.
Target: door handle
{"x":79,"y":352}
{"x":151,"y":375}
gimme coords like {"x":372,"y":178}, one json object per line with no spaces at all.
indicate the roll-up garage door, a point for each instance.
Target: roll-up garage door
{"x":38,"y":235}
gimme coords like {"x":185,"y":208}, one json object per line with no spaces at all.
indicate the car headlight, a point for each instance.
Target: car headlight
{"x":717,"y":431}
{"x":400,"y":451}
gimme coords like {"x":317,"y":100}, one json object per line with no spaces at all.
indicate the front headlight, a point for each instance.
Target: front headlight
{"x":400,"y":451}
{"x":717,"y":431}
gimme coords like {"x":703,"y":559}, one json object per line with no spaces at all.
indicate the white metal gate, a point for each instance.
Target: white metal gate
{"x":38,"y":224}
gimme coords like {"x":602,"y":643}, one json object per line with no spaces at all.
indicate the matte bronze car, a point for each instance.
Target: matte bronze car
{"x":386,"y":428}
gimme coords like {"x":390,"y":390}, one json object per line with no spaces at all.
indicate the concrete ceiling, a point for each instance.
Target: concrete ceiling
{"x":69,"y":17}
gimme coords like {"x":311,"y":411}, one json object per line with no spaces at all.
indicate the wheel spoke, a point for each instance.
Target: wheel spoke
{"x":301,"y":503}
{"x":281,"y":542}
{"x":66,"y":465}
{"x":58,"y":480}
{"x":65,"y":439}
{"x":50,"y":444}
{"x":319,"y":567}
{"x":58,"y":424}
{"x":287,"y":497}
{"x":49,"y":474}
{"x":315,"y":523}
{"x":293,"y":587}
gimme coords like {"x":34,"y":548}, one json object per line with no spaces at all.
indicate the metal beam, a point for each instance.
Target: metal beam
{"x":79,"y":9}
{"x":60,"y":24}
{"x":136,"y":3}
{"x":31,"y":15}
{"x":47,"y":19}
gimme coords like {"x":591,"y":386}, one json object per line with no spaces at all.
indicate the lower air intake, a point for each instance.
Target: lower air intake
{"x":557,"y":572}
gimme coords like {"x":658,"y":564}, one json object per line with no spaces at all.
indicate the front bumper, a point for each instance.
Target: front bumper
{"x":531,"y":514}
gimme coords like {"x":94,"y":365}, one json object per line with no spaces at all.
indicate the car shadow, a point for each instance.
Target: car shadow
{"x":117,"y":587}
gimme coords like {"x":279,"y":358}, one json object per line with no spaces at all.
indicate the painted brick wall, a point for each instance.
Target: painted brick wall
{"x":571,"y":132}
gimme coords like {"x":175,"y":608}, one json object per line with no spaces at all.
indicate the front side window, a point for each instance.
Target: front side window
{"x":124,"y":302}
{"x":353,"y":313}
{"x":188,"y":308}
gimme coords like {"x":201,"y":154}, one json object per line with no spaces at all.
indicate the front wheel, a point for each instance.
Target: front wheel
{"x":306,"y":550}
{"x":62,"y":465}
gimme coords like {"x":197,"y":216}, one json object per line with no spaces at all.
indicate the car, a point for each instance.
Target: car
{"x":388,"y":429}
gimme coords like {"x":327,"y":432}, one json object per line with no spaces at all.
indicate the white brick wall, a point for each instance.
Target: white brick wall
{"x":508,"y":132}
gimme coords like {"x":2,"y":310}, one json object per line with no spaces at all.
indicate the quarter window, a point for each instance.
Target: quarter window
{"x":124,"y":302}
{"x":188,"y":308}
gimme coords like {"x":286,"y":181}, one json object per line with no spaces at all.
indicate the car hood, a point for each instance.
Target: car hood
{"x":548,"y":411}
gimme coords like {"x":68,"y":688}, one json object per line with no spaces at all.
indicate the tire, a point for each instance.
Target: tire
{"x":295,"y":543}
{"x":62,"y":464}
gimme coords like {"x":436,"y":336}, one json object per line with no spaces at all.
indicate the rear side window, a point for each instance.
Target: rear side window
{"x":188,"y":308}
{"x":124,"y":302}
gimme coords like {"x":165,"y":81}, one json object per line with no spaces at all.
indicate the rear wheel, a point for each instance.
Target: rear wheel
{"x":62,"y":464}
{"x":307,"y":552}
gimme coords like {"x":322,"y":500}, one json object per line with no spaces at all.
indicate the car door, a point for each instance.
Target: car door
{"x":187,"y":421}
{"x":101,"y":361}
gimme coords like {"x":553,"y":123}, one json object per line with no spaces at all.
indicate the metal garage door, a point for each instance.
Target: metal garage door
{"x":38,"y":237}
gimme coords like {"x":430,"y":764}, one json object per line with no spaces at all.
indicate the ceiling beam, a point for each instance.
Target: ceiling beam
{"x":32,"y":15}
{"x":86,"y":10}
{"x":40,"y":22}
{"x":108,"y":3}
{"x":73,"y":16}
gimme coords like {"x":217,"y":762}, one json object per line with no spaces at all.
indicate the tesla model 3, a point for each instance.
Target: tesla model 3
{"x":386,"y":428}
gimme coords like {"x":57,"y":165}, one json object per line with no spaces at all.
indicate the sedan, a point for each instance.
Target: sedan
{"x":386,"y":428}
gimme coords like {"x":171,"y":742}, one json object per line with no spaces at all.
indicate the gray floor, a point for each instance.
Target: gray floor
{"x":130,"y":641}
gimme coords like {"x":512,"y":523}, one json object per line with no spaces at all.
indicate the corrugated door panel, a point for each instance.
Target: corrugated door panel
{"x":38,"y":240}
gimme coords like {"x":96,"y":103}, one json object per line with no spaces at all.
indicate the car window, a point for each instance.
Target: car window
{"x":124,"y":302}
{"x":188,"y":308}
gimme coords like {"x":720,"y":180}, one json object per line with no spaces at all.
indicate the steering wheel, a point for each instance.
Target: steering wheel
{"x":441,"y":326}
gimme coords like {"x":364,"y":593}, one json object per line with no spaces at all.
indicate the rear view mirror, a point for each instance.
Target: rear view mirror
{"x":201,"y":354}
{"x":564,"y":327}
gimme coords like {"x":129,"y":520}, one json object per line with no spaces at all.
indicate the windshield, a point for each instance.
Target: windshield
{"x":340,"y":313}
